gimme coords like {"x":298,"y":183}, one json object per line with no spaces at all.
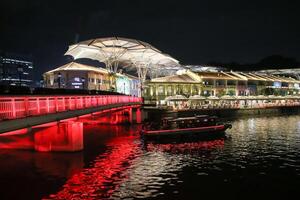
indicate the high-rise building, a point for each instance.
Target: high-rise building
{"x":15,"y":70}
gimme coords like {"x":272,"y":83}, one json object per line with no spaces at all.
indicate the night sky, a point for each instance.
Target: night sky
{"x":194,"y":32}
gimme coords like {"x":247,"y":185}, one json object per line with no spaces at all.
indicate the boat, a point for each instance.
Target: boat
{"x":201,"y":126}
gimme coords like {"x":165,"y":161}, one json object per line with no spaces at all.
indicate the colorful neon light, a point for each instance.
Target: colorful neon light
{"x":100,"y":180}
{"x":12,"y":107}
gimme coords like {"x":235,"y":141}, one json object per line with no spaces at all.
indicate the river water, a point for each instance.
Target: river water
{"x":258,"y":159}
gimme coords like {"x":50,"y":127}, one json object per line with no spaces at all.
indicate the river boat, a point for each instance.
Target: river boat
{"x":201,"y":126}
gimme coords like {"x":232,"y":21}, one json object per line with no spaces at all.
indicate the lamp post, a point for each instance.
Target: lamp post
{"x":59,"y":79}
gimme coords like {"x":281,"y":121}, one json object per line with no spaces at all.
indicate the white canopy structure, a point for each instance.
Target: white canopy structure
{"x":197,"y":97}
{"x":227,"y":97}
{"x":176,"y":98}
{"x":213,"y":98}
{"x":131,"y":53}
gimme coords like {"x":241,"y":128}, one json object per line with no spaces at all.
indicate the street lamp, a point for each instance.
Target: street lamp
{"x":59,"y":78}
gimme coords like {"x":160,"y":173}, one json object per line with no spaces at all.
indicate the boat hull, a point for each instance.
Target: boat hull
{"x":187,"y":133}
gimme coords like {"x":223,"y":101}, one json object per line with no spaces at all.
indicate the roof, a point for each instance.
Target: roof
{"x":74,"y":66}
{"x":114,"y":50}
{"x":127,"y":43}
{"x":218,"y":75}
{"x":182,"y":78}
{"x":127,"y":76}
{"x":252,"y":77}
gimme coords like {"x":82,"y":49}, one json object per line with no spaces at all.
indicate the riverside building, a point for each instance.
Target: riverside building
{"x":210,"y":87}
{"x":79,"y":76}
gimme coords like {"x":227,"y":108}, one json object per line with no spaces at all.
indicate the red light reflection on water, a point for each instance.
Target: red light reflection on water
{"x":18,"y":139}
{"x":100,"y":180}
{"x":66,"y":136}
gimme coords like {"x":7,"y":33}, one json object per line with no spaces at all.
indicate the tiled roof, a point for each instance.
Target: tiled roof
{"x":78,"y":67}
{"x":217,"y":75}
{"x":184,"y":78}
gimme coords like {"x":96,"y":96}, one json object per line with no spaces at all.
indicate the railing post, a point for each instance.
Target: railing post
{"x":13,"y":107}
{"x":69,"y":104}
{"x":26,"y":106}
{"x":38,"y":105}
{"x":56,"y":104}
{"x":47,"y":105}
{"x":63,"y":103}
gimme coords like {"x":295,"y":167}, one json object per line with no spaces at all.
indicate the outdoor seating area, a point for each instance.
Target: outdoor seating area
{"x":180,"y":102}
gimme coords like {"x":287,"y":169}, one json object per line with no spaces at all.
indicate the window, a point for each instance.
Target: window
{"x":169,"y":90}
{"x":160,"y":89}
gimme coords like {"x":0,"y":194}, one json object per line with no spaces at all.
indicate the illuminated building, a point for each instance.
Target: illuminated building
{"x":218,"y":84}
{"x":127,"y":84}
{"x":78,"y":76}
{"x":15,"y":70}
{"x":157,"y":89}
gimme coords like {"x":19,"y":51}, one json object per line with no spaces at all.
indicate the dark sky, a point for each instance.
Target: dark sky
{"x":194,"y":32}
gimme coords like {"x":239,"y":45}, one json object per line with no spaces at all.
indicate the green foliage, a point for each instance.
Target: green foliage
{"x":231,"y":92}
{"x":221,"y":93}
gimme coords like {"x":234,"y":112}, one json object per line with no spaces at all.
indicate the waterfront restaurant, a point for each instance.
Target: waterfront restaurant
{"x":183,"y":83}
{"x":221,"y":90}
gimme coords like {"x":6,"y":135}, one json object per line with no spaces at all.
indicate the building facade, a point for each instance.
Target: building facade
{"x":218,"y":84}
{"x":158,"y":89}
{"x":78,"y":76}
{"x":15,"y":70}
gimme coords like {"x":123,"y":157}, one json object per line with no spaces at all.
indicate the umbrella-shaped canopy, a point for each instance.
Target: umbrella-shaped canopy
{"x":213,"y":98}
{"x":261,"y":97}
{"x":197,"y":97}
{"x":115,"y":50}
{"x":176,"y":98}
{"x":251,"y":97}
{"x":272,"y":97}
{"x":291,"y":97}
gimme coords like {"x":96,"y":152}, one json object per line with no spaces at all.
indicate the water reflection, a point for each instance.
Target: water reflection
{"x":105,"y":174}
{"x":29,"y":175}
{"x":65,"y":136}
{"x":259,"y":154}
{"x":187,"y":147}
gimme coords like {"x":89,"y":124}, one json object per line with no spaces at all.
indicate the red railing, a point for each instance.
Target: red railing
{"x":12,"y":107}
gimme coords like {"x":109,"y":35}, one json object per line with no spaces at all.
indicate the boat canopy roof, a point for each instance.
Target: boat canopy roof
{"x":192,"y":118}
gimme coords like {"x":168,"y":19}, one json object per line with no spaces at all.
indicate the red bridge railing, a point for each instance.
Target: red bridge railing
{"x":23,"y":106}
